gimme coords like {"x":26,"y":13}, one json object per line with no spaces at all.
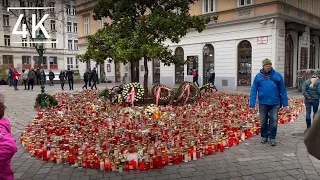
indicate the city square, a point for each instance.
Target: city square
{"x":249,"y":160}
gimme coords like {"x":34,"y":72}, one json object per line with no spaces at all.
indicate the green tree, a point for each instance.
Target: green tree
{"x":139,"y":28}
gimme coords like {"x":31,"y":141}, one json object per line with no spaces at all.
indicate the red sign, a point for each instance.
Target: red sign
{"x":262,"y":40}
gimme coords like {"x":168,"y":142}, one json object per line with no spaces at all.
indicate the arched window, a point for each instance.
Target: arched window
{"x":179,"y":69}
{"x":244,"y":63}
{"x":208,"y":61}
{"x":288,"y":62}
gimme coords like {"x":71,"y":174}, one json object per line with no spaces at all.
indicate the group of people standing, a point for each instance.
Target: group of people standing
{"x":28,"y":78}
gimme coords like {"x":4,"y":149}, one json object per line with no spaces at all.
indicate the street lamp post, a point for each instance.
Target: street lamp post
{"x":40,"y":49}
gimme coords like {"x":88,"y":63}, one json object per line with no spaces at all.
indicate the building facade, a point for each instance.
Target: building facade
{"x":61,"y":25}
{"x":247,"y":31}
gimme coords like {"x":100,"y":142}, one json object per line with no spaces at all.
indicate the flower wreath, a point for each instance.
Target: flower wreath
{"x":165,"y":95}
{"x":107,"y":94}
{"x":194,"y":93}
{"x":209,"y":87}
{"x":138,"y":88}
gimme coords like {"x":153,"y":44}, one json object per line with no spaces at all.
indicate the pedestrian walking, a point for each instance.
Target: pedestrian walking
{"x":31,"y":78}
{"x":195,"y":77}
{"x":16,"y":78}
{"x":10,"y":77}
{"x":24,"y":79}
{"x":69,"y":75}
{"x":38,"y":73}
{"x":271,"y":96}
{"x":51,"y":77}
{"x":8,"y":146}
{"x":90,"y":77}
{"x":94,"y":77}
{"x":212,"y":76}
{"x":62,"y":77}
{"x":86,"y":77}
{"x":311,"y":93}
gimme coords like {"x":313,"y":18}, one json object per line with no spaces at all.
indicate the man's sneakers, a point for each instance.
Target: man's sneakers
{"x":264,"y":140}
{"x":272,"y":141}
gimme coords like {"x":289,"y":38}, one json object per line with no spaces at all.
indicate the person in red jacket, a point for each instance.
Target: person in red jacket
{"x":195,"y":77}
{"x":16,"y":77}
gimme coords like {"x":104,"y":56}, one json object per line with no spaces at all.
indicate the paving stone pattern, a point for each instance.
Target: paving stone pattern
{"x":250,"y":160}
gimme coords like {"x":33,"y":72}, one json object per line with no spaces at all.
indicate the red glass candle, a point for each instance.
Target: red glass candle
{"x":210,"y":151}
{"x":198,"y":154}
{"x":45,"y":158}
{"x":216,"y":148}
{"x":147,"y":166}
{"x":221,"y":147}
{"x":159,"y":162}
{"x":141,"y":166}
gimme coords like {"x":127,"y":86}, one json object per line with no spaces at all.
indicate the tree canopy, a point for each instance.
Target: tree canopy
{"x":139,"y":29}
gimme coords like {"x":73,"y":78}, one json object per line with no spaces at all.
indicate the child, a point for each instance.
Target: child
{"x":8,"y":145}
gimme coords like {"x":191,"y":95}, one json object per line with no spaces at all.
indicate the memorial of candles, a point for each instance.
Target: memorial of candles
{"x":86,"y":132}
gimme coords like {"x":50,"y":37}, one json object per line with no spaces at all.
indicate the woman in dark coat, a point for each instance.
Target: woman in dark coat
{"x":62,"y":77}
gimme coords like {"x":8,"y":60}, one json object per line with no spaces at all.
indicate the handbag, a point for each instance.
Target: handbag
{"x":277,"y":84}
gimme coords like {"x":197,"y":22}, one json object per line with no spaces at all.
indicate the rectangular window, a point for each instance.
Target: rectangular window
{"x":75,"y":27}
{"x":100,"y":23}
{"x":86,"y":26}
{"x":6,"y":20}
{"x":7,"y":59}
{"x":192,"y":64}
{"x":311,"y":6}
{"x":54,"y":45}
{"x":245,"y":2}
{"x":69,"y":28}
{"x":24,"y":44}
{"x":32,"y":44}
{"x":75,"y":44}
{"x":26,"y":59}
{"x":209,"y":6}
{"x":53,"y":62}
{"x":77,"y":63}
{"x":52,"y":4}
{"x":68,"y":9}
{"x":300,"y":4}
{"x":53,"y":25}
{"x":74,"y":11}
{"x":70,"y":62}
{"x":7,"y":40}
{"x":5,"y":3}
{"x":70,"y":44}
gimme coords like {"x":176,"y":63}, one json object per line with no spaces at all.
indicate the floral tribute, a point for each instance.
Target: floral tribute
{"x":49,"y":100}
{"x":208,"y":88}
{"x":132,"y":92}
{"x":84,"y":131}
{"x":162,"y":95}
{"x":187,"y":93}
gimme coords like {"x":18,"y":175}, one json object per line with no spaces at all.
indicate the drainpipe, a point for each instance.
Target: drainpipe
{"x":63,"y":33}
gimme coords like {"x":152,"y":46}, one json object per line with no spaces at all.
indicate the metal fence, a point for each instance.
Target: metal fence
{"x":303,"y":75}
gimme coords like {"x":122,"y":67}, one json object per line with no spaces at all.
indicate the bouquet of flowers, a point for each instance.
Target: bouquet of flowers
{"x":49,"y":100}
{"x":209,"y":87}
{"x":151,"y":110}
{"x":138,"y":89}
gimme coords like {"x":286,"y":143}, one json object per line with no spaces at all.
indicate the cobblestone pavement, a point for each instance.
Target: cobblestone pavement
{"x":250,"y":160}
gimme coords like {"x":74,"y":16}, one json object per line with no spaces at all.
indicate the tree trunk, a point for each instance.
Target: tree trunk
{"x":146,"y":73}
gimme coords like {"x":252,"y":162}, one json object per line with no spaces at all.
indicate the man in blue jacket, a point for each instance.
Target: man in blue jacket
{"x":271,"y":96}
